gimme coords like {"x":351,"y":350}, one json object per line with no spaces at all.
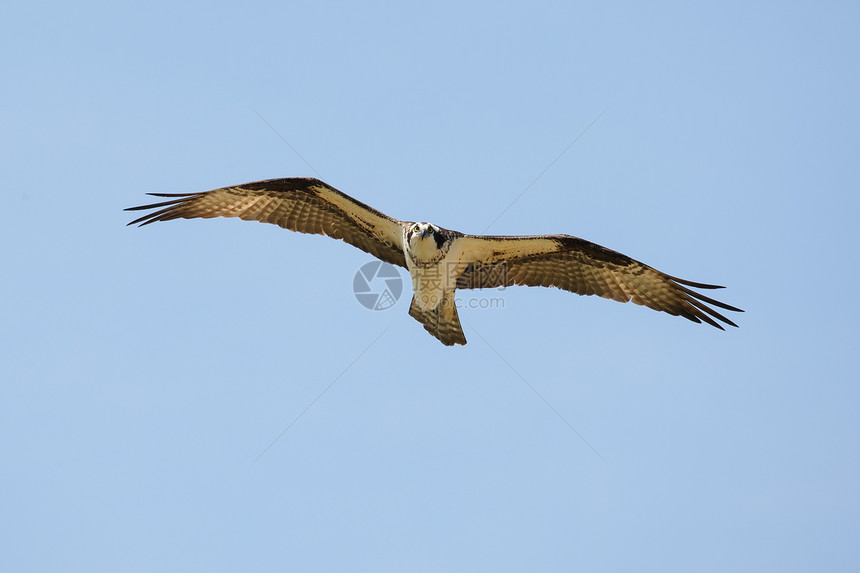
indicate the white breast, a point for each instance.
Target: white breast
{"x":430,"y":280}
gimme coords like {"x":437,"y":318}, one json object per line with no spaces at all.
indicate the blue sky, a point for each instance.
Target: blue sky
{"x":145,"y":370}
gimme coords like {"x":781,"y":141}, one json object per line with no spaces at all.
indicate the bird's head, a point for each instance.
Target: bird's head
{"x":426,"y":241}
{"x":421,"y":231}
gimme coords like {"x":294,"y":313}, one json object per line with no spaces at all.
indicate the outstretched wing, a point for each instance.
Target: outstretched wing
{"x":300,"y":204}
{"x":579,"y":266}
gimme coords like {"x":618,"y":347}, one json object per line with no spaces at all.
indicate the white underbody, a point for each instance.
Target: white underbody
{"x":430,"y":278}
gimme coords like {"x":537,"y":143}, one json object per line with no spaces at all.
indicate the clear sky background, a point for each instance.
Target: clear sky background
{"x":145,"y":370}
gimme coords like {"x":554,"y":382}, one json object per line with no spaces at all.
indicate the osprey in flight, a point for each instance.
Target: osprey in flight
{"x":441,"y":261}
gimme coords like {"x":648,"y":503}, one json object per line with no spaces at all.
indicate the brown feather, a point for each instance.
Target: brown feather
{"x":443,"y":322}
{"x":585,"y":268}
{"x":299,"y":204}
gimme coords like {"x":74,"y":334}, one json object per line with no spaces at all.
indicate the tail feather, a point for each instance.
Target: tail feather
{"x":442,"y":322}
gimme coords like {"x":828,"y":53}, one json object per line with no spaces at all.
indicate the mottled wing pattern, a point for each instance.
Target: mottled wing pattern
{"x":300,"y":204}
{"x":585,"y":268}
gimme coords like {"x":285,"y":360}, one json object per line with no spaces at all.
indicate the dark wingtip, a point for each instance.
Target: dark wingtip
{"x":176,"y":199}
{"x":693,"y":284}
{"x":136,"y":221}
{"x":698,"y":309}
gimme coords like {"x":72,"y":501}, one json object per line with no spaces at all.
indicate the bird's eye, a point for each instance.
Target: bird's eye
{"x":429,"y":230}
{"x":416,"y":228}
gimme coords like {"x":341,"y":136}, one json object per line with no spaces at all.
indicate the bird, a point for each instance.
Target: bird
{"x":440,"y":261}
